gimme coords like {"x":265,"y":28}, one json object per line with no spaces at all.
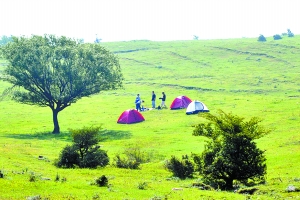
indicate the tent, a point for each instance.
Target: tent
{"x":180,"y":102}
{"x":130,"y":116}
{"x":196,"y":106}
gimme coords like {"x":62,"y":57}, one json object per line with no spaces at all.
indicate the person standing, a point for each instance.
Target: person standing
{"x":153,"y":99}
{"x":138,"y":102}
{"x":163,"y":100}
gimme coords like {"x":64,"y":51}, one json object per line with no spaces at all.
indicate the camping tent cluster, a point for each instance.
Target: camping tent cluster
{"x":181,"y":102}
{"x":192,"y":107}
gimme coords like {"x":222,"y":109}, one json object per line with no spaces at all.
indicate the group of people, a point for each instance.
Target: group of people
{"x":139,"y":101}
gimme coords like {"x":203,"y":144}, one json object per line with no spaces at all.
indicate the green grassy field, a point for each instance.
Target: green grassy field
{"x":242,"y":76}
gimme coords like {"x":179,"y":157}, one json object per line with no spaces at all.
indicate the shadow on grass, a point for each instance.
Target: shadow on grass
{"x":107,"y":135}
{"x":65,"y":136}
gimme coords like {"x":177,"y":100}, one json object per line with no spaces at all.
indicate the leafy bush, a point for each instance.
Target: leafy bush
{"x":181,"y":169}
{"x":102,"y":181}
{"x":134,"y":157}
{"x":135,"y":153}
{"x":97,"y":157}
{"x":68,"y":158}
{"x":261,"y":38}
{"x":126,"y":163}
{"x":231,"y":153}
{"x":84,"y":152}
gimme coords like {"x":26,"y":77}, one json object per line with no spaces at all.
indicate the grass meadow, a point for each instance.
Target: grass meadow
{"x":242,"y":76}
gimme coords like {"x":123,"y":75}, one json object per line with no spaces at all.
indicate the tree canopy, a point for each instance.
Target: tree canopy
{"x":58,"y":71}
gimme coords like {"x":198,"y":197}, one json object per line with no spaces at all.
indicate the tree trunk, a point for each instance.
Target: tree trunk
{"x":55,"y":122}
{"x":229,"y":184}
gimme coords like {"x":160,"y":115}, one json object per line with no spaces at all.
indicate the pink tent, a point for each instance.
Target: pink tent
{"x":130,"y":116}
{"x":180,"y":102}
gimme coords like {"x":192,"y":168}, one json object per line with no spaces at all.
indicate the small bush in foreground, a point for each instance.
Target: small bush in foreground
{"x":231,"y":154}
{"x":181,"y":169}
{"x":102,"y":181}
{"x":84,"y":152}
{"x":134,"y":157}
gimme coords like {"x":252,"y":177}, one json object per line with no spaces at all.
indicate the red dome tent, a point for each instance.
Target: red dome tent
{"x":180,"y":102}
{"x":130,"y":116}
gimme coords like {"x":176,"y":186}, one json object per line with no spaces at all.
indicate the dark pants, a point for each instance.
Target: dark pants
{"x":138,"y":106}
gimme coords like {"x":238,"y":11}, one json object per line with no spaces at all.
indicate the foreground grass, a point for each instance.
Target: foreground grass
{"x":240,"y":76}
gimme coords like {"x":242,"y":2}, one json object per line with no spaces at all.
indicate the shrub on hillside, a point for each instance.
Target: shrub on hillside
{"x":231,"y":154}
{"x":134,"y":156}
{"x":84,"y":152}
{"x":68,"y":158}
{"x":102,"y":181}
{"x":261,"y":38}
{"x":126,"y":163}
{"x":277,"y":37}
{"x":180,"y":168}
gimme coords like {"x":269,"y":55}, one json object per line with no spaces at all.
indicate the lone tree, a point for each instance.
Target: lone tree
{"x":231,"y":154}
{"x":57,"y":71}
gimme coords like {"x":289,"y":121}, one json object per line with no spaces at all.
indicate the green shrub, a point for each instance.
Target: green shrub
{"x":134,"y":157}
{"x":126,"y":163}
{"x":84,"y":152}
{"x":135,"y":153}
{"x":231,"y":154}
{"x":94,"y":158}
{"x":68,"y":158}
{"x":102,"y":181}
{"x":181,"y":169}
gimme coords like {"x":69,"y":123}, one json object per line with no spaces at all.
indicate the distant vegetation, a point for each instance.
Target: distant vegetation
{"x":261,"y":38}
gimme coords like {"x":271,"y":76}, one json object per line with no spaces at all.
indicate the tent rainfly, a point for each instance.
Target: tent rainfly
{"x":180,"y":102}
{"x":195,"y":107}
{"x":130,"y":116}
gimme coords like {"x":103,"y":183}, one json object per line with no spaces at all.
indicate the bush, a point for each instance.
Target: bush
{"x":181,"y":169}
{"x":135,"y":153}
{"x":68,"y":158}
{"x":102,"y":181}
{"x":134,"y":157}
{"x":95,"y":158}
{"x":84,"y":152}
{"x":261,"y":38}
{"x":231,"y":154}
{"x":277,"y":37}
{"x":126,"y":163}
